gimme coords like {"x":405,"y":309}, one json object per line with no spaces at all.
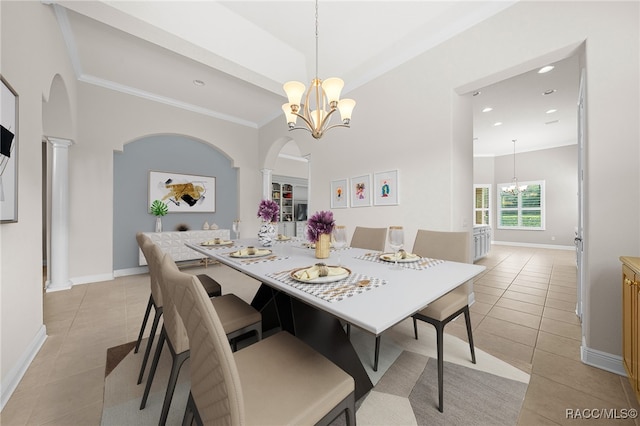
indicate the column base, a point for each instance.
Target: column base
{"x":51,"y":287}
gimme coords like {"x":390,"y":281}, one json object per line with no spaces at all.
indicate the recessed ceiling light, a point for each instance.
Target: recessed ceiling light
{"x":487,"y":109}
{"x":198,"y":82}
{"x":476,"y":93}
{"x":549,"y":92}
{"x":499,"y":123}
{"x":551,"y":111}
{"x":545,"y":69}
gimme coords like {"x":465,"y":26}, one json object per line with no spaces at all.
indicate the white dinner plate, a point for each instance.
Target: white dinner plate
{"x":321,"y":280}
{"x":389,"y":257}
{"x":259,"y":253}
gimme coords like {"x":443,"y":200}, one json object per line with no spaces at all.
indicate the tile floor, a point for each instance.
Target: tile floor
{"x":523,"y":314}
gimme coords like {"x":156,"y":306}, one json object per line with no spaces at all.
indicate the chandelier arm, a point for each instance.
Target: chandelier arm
{"x":326,"y":117}
{"x":335,"y":125}
{"x":306,"y":120}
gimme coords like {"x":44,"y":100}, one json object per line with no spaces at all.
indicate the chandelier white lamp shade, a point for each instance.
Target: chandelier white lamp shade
{"x":514,"y":188}
{"x":320,"y":102}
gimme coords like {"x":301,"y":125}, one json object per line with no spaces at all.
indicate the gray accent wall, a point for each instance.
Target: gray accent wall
{"x":165,"y":153}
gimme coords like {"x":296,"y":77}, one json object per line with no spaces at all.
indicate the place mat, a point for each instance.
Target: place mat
{"x":334,"y":291}
{"x":253,"y":260}
{"x":419,"y":265}
{"x":218,"y":247}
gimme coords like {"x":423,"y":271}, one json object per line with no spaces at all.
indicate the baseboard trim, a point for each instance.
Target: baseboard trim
{"x":545,"y":246}
{"x":130,"y":271}
{"x":603,"y":360}
{"x":12,"y":379}
{"x":88,"y":279}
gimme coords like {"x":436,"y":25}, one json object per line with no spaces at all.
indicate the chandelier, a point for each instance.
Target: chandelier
{"x":325,"y":97}
{"x":514,"y":188}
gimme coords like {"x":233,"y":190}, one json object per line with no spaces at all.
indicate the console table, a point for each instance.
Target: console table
{"x":173,"y":243}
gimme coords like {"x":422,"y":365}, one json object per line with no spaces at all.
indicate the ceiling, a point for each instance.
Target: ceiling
{"x":243,"y":51}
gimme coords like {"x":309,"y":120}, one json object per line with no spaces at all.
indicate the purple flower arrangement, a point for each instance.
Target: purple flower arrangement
{"x":320,"y":223}
{"x":268,"y":211}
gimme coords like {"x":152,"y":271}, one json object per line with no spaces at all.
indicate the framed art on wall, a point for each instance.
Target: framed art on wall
{"x":386,"y":188}
{"x":339,"y":194}
{"x":183,"y":193}
{"x":8,"y":153}
{"x":360,"y":190}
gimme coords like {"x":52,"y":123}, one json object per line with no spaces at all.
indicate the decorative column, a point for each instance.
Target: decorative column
{"x":59,"y":256}
{"x":266,"y":183}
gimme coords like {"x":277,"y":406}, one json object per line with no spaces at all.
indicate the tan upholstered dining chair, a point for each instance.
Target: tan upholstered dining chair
{"x":453,"y":246}
{"x":369,"y":238}
{"x":276,"y":381}
{"x":155,"y":299}
{"x":237,"y":316}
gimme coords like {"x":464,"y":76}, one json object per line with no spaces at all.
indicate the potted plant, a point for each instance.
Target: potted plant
{"x":158,"y":209}
{"x":319,"y":228}
{"x":268,"y":211}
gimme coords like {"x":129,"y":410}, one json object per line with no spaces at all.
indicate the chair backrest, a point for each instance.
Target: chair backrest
{"x":145,"y":243}
{"x":453,"y":246}
{"x":215,"y":383}
{"x":444,"y":245}
{"x":369,"y":238}
{"x":176,"y":332}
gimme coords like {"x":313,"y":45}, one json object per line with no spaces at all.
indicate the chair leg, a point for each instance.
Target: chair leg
{"x":154,"y":365}
{"x":439,"y":343}
{"x":154,"y":327}
{"x":376,"y":355}
{"x":467,"y":319}
{"x":187,"y":420}
{"x":178,"y":360}
{"x":144,"y":324}
{"x":348,"y":331}
{"x":415,"y":327}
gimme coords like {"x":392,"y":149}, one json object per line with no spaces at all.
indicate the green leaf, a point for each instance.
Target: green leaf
{"x":158,"y":208}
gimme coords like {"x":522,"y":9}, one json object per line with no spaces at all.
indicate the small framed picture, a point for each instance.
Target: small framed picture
{"x":360,"y":190}
{"x":386,"y":188}
{"x":339,"y":194}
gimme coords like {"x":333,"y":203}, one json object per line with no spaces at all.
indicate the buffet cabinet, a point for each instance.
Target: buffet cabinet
{"x":630,"y":330}
{"x":173,"y":243}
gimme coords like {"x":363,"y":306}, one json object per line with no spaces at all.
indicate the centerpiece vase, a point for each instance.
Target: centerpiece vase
{"x":322,"y":246}
{"x":158,"y":224}
{"x":267,"y":233}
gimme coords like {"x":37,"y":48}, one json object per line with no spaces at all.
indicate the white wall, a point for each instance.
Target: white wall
{"x":32,"y":53}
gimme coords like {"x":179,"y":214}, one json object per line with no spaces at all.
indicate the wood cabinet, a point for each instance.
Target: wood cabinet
{"x":630,"y":326}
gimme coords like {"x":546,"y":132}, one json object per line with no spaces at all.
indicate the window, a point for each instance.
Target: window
{"x":524,"y":210}
{"x":481,"y":203}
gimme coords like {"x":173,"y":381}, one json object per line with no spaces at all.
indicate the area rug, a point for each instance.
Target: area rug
{"x":490,"y":392}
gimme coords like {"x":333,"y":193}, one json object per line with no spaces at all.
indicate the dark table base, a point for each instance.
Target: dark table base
{"x":321,"y":331}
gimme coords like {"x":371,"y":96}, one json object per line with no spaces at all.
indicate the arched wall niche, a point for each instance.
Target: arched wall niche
{"x":57,"y":118}
{"x":171,"y":153}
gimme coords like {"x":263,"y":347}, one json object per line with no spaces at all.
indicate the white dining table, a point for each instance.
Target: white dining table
{"x":391,"y":296}
{"x":404,"y":291}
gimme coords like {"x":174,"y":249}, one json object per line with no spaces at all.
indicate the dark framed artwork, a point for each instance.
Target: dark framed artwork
{"x":183,"y":193}
{"x":8,"y":153}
